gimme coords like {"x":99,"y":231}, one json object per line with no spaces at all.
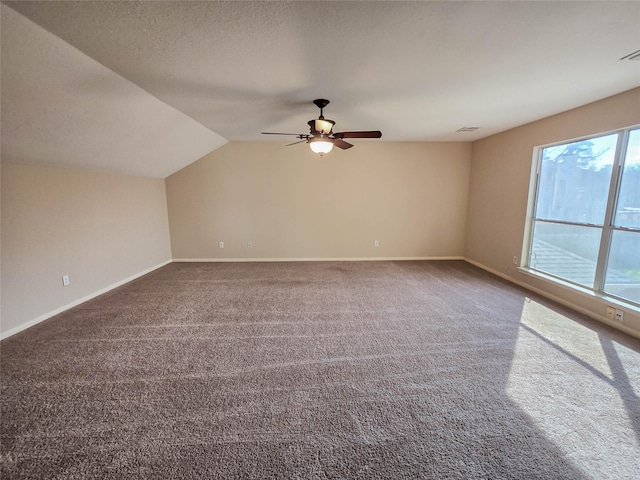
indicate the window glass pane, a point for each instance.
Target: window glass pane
{"x":574,"y":180}
{"x":566,"y":251}
{"x":628,"y":208}
{"x":623,"y":270}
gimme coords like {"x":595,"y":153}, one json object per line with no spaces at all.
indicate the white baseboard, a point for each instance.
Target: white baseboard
{"x":75,"y":303}
{"x":560,"y":300}
{"x":305,"y":259}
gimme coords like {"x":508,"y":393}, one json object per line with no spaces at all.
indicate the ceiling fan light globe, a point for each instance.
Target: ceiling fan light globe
{"x":321,"y":146}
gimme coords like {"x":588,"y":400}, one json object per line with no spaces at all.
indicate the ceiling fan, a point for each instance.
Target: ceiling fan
{"x":322,"y":138}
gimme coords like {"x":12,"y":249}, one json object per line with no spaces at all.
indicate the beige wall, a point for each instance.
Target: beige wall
{"x":498,"y":191}
{"x":411,"y":197}
{"x":99,"y":229}
{"x":418,"y":199}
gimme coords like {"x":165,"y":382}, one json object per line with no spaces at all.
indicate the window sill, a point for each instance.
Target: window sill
{"x":609,"y":300}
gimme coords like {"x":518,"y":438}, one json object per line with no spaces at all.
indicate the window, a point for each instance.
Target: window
{"x":585,"y":227}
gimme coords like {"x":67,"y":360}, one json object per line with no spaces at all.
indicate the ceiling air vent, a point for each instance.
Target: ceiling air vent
{"x":632,"y":56}
{"x":467,"y":129}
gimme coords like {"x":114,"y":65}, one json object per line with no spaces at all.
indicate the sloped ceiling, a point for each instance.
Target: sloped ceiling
{"x":149,"y":87}
{"x":50,"y":118}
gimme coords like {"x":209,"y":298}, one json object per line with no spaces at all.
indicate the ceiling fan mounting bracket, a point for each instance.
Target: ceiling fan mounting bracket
{"x":321,"y":102}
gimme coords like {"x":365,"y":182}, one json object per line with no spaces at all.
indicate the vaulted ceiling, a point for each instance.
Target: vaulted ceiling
{"x":147,"y":88}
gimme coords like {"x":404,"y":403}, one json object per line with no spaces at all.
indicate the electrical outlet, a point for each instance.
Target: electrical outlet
{"x":65,"y":280}
{"x":376,"y":243}
{"x":221,"y":245}
{"x":515,"y":260}
{"x":249,"y":244}
{"x":611,"y":313}
{"x":619,"y":315}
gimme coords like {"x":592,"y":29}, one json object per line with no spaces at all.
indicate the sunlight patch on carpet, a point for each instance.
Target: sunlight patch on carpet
{"x":564,"y":353}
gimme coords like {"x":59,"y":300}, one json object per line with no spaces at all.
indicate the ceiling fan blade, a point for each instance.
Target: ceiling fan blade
{"x":278,"y":133}
{"x":341,"y":143}
{"x":364,"y":134}
{"x":294,"y":143}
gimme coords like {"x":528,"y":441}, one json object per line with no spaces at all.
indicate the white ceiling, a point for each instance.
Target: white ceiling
{"x":149,"y":87}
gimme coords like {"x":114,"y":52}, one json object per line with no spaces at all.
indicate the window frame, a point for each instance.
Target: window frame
{"x":607,"y":228}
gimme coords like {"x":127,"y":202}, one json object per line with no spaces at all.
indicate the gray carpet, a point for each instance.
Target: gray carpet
{"x":395,"y":370}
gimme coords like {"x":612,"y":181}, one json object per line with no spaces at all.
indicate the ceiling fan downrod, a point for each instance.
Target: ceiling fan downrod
{"x":321,"y":126}
{"x":321,"y":103}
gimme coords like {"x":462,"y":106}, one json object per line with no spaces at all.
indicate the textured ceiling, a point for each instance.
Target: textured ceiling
{"x":49,"y":118}
{"x":415,"y":70}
